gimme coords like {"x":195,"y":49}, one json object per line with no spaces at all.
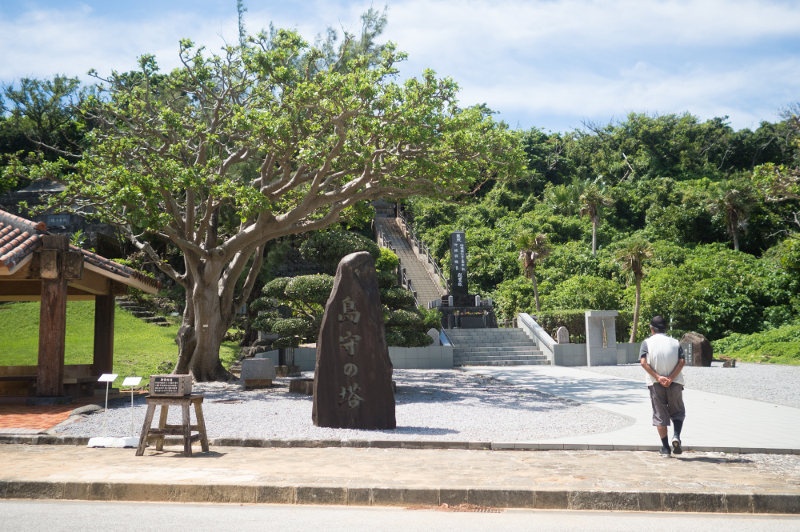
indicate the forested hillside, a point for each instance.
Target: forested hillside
{"x":704,"y":220}
{"x":704,"y":217}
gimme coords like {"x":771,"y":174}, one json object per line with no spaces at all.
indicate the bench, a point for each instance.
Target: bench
{"x":21,"y":380}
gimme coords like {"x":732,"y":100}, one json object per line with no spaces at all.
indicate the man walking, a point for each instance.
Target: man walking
{"x":662,"y":358}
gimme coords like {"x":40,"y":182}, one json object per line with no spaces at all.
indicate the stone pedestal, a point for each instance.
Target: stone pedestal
{"x":257,"y":372}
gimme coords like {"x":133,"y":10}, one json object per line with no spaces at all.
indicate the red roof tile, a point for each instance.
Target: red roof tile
{"x":19,"y":238}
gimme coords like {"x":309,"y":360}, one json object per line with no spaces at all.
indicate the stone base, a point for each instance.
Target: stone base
{"x":468,"y":317}
{"x":287,"y":371}
{"x":304,"y":386}
{"x":250,"y":384}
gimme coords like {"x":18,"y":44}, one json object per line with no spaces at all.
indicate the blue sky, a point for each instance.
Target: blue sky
{"x":551,"y":64}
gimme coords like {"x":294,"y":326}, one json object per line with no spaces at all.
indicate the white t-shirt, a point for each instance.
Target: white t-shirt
{"x":663,"y":353}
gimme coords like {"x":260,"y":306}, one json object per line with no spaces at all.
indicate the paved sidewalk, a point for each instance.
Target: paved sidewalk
{"x":741,"y":456}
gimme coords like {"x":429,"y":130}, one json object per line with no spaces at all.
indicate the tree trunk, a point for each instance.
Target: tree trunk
{"x":636,"y":306}
{"x":535,"y":290}
{"x":594,"y":237}
{"x":201,"y":334}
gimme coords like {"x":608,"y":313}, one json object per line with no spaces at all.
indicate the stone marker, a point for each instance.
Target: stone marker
{"x":697,"y":348}
{"x":353,"y":376}
{"x":257,"y":372}
{"x":562,"y":335}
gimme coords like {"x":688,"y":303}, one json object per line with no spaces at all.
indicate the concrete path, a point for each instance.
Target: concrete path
{"x":713,"y":422}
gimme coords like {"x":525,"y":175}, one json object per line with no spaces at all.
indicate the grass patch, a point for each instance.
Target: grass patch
{"x":776,"y":346}
{"x":140,"y":349}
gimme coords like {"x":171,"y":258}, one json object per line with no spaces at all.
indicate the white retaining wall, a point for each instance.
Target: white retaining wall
{"x":429,"y":357}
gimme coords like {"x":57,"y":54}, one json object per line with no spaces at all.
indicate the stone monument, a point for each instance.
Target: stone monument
{"x":459,"y":308}
{"x":353,"y":376}
{"x":697,"y":349}
{"x":458,"y":266}
{"x":601,"y":337}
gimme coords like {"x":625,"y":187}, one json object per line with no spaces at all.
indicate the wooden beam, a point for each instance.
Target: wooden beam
{"x":52,"y":337}
{"x":104,"y":307}
{"x":52,"y":317}
{"x":92,"y":283}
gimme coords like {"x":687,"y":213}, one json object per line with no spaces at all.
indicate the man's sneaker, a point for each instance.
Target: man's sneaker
{"x":676,"y":445}
{"x":665,"y":452}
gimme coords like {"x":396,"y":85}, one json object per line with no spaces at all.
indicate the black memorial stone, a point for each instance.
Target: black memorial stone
{"x":458,"y":264}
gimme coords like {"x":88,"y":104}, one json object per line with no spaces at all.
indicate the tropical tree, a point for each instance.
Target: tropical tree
{"x":592,"y":200}
{"x":631,"y":257}
{"x":533,"y":248}
{"x":733,"y":201}
{"x":266,"y":139}
{"x":38,"y":125}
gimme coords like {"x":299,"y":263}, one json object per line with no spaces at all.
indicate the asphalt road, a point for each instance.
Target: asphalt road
{"x":58,"y":516}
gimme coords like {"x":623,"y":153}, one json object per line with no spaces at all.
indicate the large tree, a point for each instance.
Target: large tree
{"x":271,"y":137}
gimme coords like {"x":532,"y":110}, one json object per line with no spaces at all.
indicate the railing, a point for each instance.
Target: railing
{"x":386,"y":242}
{"x":422,"y":249}
{"x":537,"y":333}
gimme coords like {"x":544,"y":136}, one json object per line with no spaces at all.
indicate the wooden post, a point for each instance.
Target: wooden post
{"x":52,"y":316}
{"x":103,"y":362}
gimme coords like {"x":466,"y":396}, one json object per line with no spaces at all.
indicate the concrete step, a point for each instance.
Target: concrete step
{"x":494,"y":347}
{"x":502,"y":361}
{"x":416,"y":270}
{"x":523,"y":350}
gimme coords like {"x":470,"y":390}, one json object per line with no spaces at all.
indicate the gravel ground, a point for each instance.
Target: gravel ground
{"x":441,"y":405}
{"x":761,"y":382}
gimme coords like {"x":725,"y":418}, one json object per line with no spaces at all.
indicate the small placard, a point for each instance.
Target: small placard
{"x":171,"y":385}
{"x":107,"y":377}
{"x":131,"y":381}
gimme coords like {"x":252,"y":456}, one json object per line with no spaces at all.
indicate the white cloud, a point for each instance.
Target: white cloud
{"x":546,"y":63}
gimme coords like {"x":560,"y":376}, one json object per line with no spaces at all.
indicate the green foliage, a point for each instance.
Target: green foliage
{"x":292,"y":308}
{"x":327,"y":248}
{"x":513,"y":296}
{"x":397,"y":297}
{"x":776,"y":346}
{"x":584,"y":291}
{"x":309,"y":289}
{"x":684,"y":187}
{"x":716,"y":291}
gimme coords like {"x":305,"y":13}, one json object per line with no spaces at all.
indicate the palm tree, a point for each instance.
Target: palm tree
{"x":733,"y":202}
{"x":592,"y":199}
{"x":632,"y":258}
{"x":533,"y":249}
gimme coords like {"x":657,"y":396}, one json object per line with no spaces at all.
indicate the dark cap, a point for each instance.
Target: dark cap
{"x":658,"y":324}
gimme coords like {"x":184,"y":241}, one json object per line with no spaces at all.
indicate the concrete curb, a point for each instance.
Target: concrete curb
{"x":51,"y":439}
{"x":381,"y":496}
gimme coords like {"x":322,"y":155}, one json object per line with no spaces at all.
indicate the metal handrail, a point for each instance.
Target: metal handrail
{"x":422,"y":249}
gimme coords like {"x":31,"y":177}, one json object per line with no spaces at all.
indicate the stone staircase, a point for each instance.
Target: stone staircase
{"x":425,"y":288}
{"x":494,"y":347}
{"x":141,"y":312}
